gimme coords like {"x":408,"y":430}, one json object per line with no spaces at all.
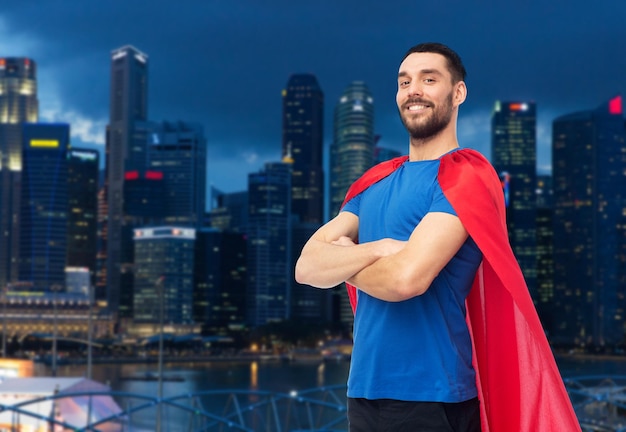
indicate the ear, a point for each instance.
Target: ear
{"x":459,"y":93}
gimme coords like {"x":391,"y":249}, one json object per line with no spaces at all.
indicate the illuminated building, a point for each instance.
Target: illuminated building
{"x":545,"y":260}
{"x":514,"y":156}
{"x":352,"y":149}
{"x":44,"y":205}
{"x":164,"y":275}
{"x":230,"y":213}
{"x":18,"y":91}
{"x":351,"y":154}
{"x":32,"y":313}
{"x":178,"y":151}
{"x":18,"y":104}
{"x":589,"y":175}
{"x":269,"y":244}
{"x":303,"y":142}
{"x":128,"y":106}
{"x":220,"y":287}
{"x":82,"y":217}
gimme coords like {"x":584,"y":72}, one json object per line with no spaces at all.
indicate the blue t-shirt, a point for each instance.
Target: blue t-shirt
{"x":418,"y":349}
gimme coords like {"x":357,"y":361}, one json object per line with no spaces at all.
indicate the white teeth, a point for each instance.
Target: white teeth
{"x":417,"y":107}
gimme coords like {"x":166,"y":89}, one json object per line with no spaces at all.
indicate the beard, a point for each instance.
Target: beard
{"x":430,"y":126}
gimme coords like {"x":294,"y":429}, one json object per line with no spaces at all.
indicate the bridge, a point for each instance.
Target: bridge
{"x":599,"y":401}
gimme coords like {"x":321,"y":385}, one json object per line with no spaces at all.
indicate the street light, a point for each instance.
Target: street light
{"x":55,"y":289}
{"x":159,"y":286}
{"x":4,"y":320}
{"x":89,"y":331}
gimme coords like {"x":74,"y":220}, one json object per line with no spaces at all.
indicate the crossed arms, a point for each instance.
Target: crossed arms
{"x":387,"y":269}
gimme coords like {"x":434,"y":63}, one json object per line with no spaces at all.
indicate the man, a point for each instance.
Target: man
{"x":416,"y":235}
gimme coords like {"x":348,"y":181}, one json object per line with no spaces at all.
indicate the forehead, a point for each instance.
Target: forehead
{"x":417,"y":62}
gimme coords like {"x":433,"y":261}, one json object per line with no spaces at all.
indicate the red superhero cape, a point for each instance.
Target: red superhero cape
{"x":519,"y":384}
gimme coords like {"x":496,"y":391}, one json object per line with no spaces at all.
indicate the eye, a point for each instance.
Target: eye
{"x":429,"y":80}
{"x":403,"y":83}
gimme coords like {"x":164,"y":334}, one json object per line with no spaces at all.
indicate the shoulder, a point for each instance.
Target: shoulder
{"x":471,"y":184}
{"x":373,"y":175}
{"x":464,"y":167}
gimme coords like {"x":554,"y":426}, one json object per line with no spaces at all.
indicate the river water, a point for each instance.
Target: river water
{"x":274,"y":376}
{"x":266,"y":376}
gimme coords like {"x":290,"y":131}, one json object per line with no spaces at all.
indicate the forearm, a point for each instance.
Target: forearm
{"x":386,"y":280}
{"x":326,"y":265}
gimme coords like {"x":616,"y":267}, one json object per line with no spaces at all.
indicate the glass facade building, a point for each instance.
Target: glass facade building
{"x":128,"y":105}
{"x":44,"y":205}
{"x":179,"y":150}
{"x":514,"y":157}
{"x":18,"y":105}
{"x":269,"y":244}
{"x":303,"y":142}
{"x":82,"y":217}
{"x":589,"y":175}
{"x":220,"y":288}
{"x":164,"y":265}
{"x":352,"y":149}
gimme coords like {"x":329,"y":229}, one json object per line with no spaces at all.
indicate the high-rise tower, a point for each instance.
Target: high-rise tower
{"x":351,"y":154}
{"x":18,"y":105}
{"x":44,"y":205}
{"x":269,"y":244}
{"x":128,"y":105}
{"x":82,"y":219}
{"x":514,"y":156}
{"x":589,"y":175}
{"x":303,"y":139}
{"x":352,"y":150}
{"x":178,"y":151}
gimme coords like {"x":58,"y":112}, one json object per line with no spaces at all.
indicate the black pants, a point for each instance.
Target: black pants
{"x":387,"y":415}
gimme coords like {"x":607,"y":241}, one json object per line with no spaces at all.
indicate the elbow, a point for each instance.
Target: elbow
{"x":300,"y":274}
{"x":304,"y":276}
{"x":406,"y":287}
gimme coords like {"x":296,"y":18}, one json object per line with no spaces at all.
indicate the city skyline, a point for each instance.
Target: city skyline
{"x":225,"y":66}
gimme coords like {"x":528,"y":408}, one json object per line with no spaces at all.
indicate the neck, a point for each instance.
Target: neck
{"x":431,"y":148}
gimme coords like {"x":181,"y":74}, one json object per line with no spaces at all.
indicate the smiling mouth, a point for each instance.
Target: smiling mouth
{"x":415,"y":108}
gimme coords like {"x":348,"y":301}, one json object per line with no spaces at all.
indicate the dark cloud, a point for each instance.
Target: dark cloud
{"x":223,"y":63}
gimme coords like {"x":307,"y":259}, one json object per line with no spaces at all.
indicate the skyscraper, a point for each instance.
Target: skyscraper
{"x":269,"y":244}
{"x":352,"y":149}
{"x":82,"y":218}
{"x":545,"y":252}
{"x":589,"y":174}
{"x":44,"y":205}
{"x":514,"y":156}
{"x":18,"y":104}
{"x":18,"y":91}
{"x":164,"y":275}
{"x":128,"y":105}
{"x":351,"y":154}
{"x":231,"y":212}
{"x":178,"y":150}
{"x":303,"y":141}
{"x":220,"y":284}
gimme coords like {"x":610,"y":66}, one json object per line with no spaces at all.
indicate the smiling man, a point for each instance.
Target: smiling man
{"x":421,"y":240}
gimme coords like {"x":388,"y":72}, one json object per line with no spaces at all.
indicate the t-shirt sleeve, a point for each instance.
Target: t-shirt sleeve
{"x":440,"y":203}
{"x":353,"y":205}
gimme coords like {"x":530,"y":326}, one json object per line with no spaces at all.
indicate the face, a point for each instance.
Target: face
{"x":426,"y":97}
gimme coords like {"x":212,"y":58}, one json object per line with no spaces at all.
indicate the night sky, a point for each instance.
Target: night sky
{"x":223,"y":63}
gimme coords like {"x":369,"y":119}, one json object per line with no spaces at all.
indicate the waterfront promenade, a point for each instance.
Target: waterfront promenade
{"x":269,"y":394}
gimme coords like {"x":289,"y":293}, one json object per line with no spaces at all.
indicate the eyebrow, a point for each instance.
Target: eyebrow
{"x":402,"y":74}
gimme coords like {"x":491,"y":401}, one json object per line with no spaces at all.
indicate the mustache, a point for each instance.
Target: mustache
{"x":416,"y":100}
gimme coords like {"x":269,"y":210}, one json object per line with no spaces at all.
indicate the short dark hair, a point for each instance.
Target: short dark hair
{"x":455,"y":65}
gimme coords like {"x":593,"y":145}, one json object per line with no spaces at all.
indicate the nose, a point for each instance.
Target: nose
{"x":415,"y":88}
